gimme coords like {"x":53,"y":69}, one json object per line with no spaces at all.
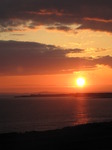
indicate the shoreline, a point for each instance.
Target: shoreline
{"x":92,"y":136}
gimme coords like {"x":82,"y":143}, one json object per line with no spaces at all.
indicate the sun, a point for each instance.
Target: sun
{"x":80,"y":82}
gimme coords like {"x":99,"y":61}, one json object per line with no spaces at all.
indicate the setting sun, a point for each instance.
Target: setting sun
{"x":80,"y":82}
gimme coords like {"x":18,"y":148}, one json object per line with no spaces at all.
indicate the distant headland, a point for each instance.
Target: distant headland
{"x":94,"y":95}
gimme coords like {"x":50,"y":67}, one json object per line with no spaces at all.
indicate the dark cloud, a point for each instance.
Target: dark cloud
{"x":19,"y":14}
{"x":21,"y":58}
{"x":97,"y":25}
{"x":60,"y":27}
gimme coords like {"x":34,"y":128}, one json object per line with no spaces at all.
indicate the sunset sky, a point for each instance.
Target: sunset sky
{"x":45,"y":45}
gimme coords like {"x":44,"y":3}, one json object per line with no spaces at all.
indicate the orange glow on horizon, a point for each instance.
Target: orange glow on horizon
{"x":59,"y":83}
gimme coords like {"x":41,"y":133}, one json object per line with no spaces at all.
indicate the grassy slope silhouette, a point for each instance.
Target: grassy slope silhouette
{"x":96,"y":136}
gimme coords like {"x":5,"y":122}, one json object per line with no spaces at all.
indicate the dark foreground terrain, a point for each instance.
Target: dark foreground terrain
{"x":97,"y":136}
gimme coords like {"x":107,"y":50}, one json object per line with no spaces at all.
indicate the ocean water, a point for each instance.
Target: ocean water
{"x":47,"y":113}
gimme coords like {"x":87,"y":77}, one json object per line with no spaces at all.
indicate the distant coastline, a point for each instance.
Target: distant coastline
{"x":94,"y":95}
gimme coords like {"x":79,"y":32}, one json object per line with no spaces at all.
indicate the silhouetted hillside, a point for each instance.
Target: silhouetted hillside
{"x":97,"y":136}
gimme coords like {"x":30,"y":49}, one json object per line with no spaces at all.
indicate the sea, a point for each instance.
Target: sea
{"x":24,"y":114}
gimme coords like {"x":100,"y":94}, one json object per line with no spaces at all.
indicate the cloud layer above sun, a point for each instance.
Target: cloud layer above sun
{"x":29,"y":58}
{"x":20,"y":15}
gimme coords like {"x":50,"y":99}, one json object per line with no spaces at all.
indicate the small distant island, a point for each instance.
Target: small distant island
{"x":94,"y":95}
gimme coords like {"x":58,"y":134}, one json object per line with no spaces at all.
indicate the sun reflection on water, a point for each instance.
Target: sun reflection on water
{"x":82,"y":115}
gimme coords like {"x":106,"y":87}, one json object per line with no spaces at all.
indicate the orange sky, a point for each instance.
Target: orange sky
{"x":46,"y":46}
{"x":95,"y":82}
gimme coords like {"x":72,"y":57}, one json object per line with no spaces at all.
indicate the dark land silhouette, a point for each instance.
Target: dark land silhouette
{"x":91,"y":95}
{"x":96,"y":136}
